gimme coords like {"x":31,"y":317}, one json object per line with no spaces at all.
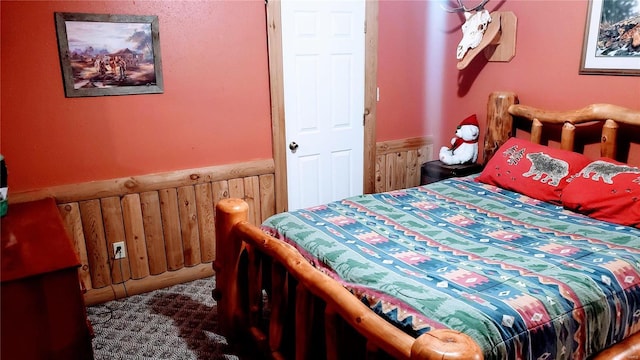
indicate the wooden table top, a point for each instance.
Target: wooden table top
{"x":34,"y":241}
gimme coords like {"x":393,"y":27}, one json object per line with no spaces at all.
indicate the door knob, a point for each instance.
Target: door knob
{"x":293,"y":146}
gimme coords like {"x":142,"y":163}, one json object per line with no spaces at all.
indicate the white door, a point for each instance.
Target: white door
{"x":323,"y":76}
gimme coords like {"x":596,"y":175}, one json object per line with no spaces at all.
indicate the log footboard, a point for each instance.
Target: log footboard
{"x":269,"y":295}
{"x":300,"y":300}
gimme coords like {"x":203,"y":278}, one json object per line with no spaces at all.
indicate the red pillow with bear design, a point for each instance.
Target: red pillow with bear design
{"x":535,"y":170}
{"x":606,"y":190}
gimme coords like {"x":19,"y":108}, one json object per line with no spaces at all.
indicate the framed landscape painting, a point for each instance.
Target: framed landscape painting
{"x":109,"y":54}
{"x":611,"y":44}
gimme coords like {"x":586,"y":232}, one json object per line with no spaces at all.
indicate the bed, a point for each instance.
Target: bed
{"x":537,"y":257}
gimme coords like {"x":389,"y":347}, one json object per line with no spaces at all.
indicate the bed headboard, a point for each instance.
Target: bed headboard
{"x":615,"y":128}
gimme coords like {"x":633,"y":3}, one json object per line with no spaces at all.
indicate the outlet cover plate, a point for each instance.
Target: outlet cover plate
{"x":123,"y":250}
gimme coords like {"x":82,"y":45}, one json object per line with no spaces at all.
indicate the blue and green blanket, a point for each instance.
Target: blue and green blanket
{"x":526,"y":279}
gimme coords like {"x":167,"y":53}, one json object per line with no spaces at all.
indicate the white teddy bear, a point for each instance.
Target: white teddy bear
{"x":464,"y":146}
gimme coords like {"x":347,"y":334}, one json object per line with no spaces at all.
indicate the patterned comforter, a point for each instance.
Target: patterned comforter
{"x":524,"y":278}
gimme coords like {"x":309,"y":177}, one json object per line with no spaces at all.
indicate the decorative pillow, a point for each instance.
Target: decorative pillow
{"x":535,"y":170}
{"x":606,"y":190}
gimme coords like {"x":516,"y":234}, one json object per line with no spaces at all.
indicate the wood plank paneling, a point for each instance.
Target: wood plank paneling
{"x":236,"y":188}
{"x":73,"y":223}
{"x":114,"y":232}
{"x":252,"y":197}
{"x":171,"y":228}
{"x":267,"y":196}
{"x":219,"y":190}
{"x":167,"y":220}
{"x":398,"y":163}
{"x":206,"y":229}
{"x":389,"y":171}
{"x":189,"y":225}
{"x":134,"y":233}
{"x":381,"y":173}
{"x":154,"y":236}
{"x":412,"y":176}
{"x":399,"y":171}
{"x":96,"y":243}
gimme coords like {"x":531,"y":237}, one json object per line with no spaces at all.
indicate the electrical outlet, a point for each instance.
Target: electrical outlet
{"x":119,"y":250}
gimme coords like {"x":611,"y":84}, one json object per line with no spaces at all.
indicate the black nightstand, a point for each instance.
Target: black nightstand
{"x":436,"y":170}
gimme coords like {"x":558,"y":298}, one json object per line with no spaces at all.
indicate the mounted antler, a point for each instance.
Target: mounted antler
{"x":476,"y":22}
{"x":463,"y":8}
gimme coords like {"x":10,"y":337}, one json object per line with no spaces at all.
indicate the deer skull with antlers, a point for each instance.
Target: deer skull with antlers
{"x":476,"y":21}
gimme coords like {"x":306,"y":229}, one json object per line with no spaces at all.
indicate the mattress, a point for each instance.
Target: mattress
{"x":524,"y":278}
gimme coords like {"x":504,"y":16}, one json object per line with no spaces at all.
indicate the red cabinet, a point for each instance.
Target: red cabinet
{"x":41,"y":306}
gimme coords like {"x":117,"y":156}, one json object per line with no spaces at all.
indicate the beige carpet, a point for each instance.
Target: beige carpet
{"x":178,"y":322}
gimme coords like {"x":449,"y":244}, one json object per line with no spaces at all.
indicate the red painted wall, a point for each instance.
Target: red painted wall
{"x":422,"y":92}
{"x":214,"y":57}
{"x":216,"y":84}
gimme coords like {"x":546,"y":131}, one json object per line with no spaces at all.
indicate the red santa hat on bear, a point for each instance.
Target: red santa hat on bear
{"x":470,"y":120}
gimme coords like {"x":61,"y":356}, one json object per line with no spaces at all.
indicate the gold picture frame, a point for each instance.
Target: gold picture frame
{"x":107,"y":54}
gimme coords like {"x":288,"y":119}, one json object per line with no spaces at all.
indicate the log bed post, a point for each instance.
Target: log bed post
{"x":609,"y":139}
{"x":499,"y":122}
{"x":229,"y":212}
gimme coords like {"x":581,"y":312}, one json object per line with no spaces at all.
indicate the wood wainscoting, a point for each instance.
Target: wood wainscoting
{"x":166,"y":221}
{"x":398,"y":162}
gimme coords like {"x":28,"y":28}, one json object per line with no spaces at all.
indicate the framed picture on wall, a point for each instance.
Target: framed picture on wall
{"x":609,"y":45}
{"x":109,"y":54}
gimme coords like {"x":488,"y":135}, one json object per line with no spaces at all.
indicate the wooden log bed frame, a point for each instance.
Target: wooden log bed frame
{"x":249,"y":261}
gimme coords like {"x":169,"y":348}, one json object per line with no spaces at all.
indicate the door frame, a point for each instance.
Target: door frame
{"x":276,"y":88}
